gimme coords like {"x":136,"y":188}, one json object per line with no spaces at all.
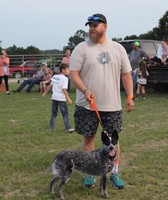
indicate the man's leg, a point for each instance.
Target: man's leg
{"x":33,"y":81}
{"x":134,"y":79}
{"x":115,"y":177}
{"x":88,"y":145}
{"x":23,"y":84}
{"x":113,"y":121}
{"x":86,"y":124}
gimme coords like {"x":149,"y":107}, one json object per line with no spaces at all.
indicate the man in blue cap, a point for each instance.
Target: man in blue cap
{"x":96,"y":68}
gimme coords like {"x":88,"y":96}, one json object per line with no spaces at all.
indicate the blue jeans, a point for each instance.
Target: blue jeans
{"x":134,"y":79}
{"x":31,"y":83}
{"x":64,"y":111}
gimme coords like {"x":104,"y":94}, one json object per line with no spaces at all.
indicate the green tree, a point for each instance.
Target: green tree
{"x":157,"y":33}
{"x":131,"y":37}
{"x":32,"y":50}
{"x":116,"y":39}
{"x":163,"y":26}
{"x":14,"y":50}
{"x":78,"y":37}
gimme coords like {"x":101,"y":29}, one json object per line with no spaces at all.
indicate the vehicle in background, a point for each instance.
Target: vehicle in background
{"x":22,"y":70}
{"x":158,"y":74}
{"x":149,"y":46}
{"x":52,"y":63}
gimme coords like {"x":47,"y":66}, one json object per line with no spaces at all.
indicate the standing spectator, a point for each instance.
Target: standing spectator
{"x":135,"y":56}
{"x":162,"y":53}
{"x":142,"y":75}
{"x":66,"y":60}
{"x":96,"y":68}
{"x":4,"y":70}
{"x":59,"y":85}
{"x":36,"y":79}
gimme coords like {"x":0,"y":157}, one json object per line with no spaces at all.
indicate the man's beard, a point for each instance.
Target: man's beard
{"x":94,"y":36}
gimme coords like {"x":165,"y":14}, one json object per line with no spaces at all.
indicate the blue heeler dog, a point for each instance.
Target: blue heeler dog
{"x":97,"y":163}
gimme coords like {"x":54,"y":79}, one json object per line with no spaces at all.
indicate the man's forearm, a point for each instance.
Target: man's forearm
{"x":127,"y":83}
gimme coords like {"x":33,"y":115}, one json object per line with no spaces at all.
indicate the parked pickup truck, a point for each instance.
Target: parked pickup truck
{"x":158,"y":77}
{"x":22,"y":70}
{"x":149,"y":46}
{"x":158,"y":74}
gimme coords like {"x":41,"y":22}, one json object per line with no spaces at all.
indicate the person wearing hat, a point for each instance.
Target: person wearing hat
{"x":37,"y":78}
{"x":135,"y":56}
{"x":96,"y":66}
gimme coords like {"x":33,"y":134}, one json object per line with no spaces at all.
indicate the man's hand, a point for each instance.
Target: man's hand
{"x":129,"y":105}
{"x":89,"y":95}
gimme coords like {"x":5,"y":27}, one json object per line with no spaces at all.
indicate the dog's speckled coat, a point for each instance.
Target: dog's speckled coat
{"x":97,"y":163}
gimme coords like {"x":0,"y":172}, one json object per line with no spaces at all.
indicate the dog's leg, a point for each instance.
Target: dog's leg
{"x":60,"y":187}
{"x":52,"y":184}
{"x":64,"y":180}
{"x":103,"y":186}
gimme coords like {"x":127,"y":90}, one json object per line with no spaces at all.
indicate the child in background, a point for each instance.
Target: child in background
{"x":46,"y":80}
{"x":142,"y":75}
{"x":59,"y":85}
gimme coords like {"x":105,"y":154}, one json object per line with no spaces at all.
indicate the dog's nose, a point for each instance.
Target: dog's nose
{"x":111,"y":148}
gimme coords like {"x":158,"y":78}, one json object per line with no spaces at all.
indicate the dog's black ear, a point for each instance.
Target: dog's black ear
{"x":115,"y":137}
{"x":105,"y":139}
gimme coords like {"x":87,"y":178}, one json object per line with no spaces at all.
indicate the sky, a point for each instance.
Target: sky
{"x":48,"y":24}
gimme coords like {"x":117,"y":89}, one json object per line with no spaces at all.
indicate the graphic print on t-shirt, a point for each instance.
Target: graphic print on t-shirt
{"x":104,"y":58}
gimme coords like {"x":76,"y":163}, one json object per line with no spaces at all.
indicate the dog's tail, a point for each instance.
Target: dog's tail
{"x":54,"y":170}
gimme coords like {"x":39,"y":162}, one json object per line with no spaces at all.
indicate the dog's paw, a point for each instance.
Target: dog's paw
{"x":52,"y":192}
{"x":105,"y":194}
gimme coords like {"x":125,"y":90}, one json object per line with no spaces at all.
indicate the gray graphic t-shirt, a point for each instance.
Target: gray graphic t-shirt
{"x":100,"y":68}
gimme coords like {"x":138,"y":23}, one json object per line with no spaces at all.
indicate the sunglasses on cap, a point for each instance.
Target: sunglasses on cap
{"x":96,"y":18}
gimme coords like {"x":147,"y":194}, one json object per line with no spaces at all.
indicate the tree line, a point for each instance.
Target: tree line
{"x":157,"y":33}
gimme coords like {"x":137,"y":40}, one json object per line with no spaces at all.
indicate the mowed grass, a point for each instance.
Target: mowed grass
{"x":27,"y":149}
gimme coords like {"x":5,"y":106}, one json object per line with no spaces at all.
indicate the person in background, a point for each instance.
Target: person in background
{"x":46,"y":80}
{"x":96,"y":67}
{"x":66,"y":60}
{"x":142,"y":75}
{"x":135,"y":56}
{"x":162,"y":53}
{"x":36,"y":79}
{"x":4,"y":70}
{"x":59,"y":85}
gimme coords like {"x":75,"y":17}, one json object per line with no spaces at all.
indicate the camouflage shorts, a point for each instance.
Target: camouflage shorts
{"x":87,"y":122}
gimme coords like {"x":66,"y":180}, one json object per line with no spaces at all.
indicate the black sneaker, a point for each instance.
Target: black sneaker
{"x":15,"y":91}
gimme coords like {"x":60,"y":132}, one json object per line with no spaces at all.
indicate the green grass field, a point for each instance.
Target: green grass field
{"x":27,"y":149}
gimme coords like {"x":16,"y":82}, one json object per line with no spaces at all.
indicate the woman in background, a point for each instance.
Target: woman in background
{"x":162,"y":53}
{"x":4,"y":70}
{"x":66,"y":60}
